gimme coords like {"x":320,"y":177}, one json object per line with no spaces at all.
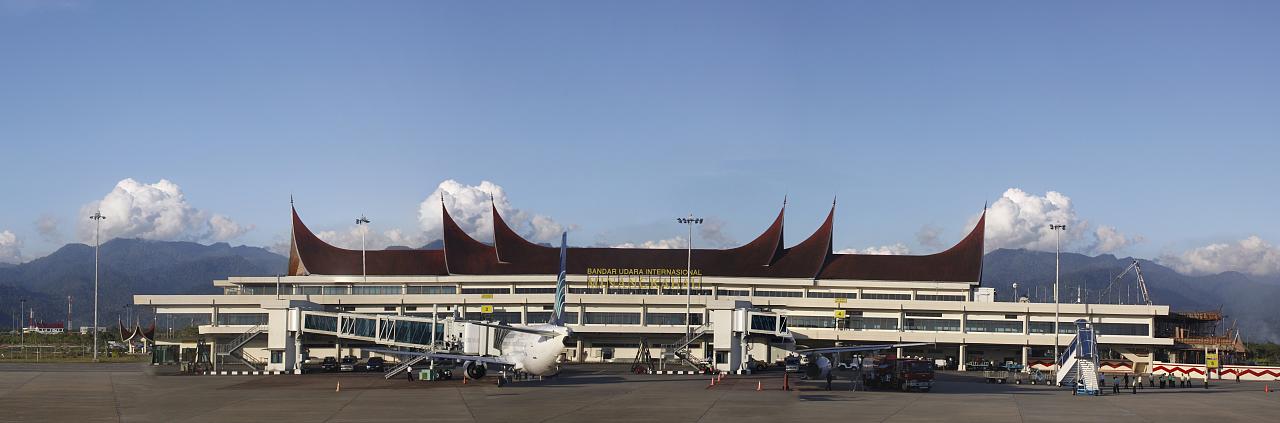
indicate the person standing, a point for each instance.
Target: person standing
{"x":1115,"y":384}
{"x":408,"y":374}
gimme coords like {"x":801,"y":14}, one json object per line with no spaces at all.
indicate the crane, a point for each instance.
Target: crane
{"x":1142,"y":283}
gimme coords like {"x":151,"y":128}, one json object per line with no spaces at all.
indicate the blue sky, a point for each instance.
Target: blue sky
{"x":1158,"y":119}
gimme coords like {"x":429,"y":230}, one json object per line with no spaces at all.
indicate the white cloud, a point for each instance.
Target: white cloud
{"x":661,"y":244}
{"x":1251,"y":255}
{"x":469,"y":207}
{"x":897,"y":249}
{"x":928,"y":236}
{"x":349,"y":238}
{"x":712,"y":232}
{"x":155,"y":211}
{"x":1021,"y":220}
{"x":10,"y":247}
{"x":48,"y":228}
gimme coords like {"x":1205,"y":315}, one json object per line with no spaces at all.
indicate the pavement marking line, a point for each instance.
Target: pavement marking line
{"x":115,"y":397}
{"x":24,"y":383}
{"x":713,"y":405}
{"x":583,"y":406}
{"x":464,"y":401}
{"x":344,"y":406}
{"x":903,"y":407}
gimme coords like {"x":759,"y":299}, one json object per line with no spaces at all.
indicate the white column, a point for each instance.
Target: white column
{"x":960,"y":363}
{"x":1026,"y":354}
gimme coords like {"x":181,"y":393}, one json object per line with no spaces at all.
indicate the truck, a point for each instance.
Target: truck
{"x":900,"y":373}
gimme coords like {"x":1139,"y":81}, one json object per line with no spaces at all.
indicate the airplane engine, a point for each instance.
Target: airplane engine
{"x":474,"y":370}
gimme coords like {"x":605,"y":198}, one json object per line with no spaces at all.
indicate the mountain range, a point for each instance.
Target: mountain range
{"x":134,"y":266}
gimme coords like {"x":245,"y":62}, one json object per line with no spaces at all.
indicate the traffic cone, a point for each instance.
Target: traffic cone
{"x":464,"y":379}
{"x":713,"y":383}
{"x":759,"y":385}
{"x":786,"y":381}
{"x":338,"y":388}
{"x":1267,"y":388}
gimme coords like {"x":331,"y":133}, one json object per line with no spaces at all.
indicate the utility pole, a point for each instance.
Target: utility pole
{"x":1057,"y":274}
{"x":363,"y":270}
{"x":97,"y":230}
{"x":22,"y":328}
{"x":688,"y":289}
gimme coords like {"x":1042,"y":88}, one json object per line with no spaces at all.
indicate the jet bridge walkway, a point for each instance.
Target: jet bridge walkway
{"x":399,"y":332}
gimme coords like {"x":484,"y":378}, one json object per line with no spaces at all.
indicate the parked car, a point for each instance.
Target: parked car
{"x":329,"y":364}
{"x":371,"y":364}
{"x":348,"y":364}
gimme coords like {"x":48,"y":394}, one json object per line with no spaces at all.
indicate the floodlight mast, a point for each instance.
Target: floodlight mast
{"x":688,"y":289}
{"x":97,"y":229}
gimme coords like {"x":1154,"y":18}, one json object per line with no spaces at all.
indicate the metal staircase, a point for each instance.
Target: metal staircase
{"x":680,"y":349}
{"x":1078,"y":364}
{"x":403,"y":366}
{"x":235,"y":349}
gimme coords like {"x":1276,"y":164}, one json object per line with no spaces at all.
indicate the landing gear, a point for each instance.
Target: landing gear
{"x":474,"y":370}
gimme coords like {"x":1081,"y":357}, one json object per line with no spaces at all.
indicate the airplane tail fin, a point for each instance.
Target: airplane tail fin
{"x":557,"y":314}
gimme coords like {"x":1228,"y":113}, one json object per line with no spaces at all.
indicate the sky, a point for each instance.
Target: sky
{"x":1150,"y":128}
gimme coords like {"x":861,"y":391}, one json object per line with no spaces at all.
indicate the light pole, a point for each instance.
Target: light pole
{"x":1057,"y":274}
{"x":97,"y":229}
{"x":22,"y":328}
{"x":364,"y":273}
{"x":688,"y":288}
{"x":1015,"y":292}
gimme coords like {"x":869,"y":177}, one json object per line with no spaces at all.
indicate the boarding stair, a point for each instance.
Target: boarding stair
{"x":1078,"y":364}
{"x":235,"y":349}
{"x":403,"y":366}
{"x":679,"y":350}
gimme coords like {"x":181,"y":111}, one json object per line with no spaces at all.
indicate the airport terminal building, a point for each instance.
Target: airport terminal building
{"x":620,"y":298}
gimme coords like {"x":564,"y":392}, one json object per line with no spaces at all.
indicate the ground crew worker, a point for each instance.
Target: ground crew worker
{"x":408,"y":374}
{"x":1126,"y":380}
{"x":828,"y":380}
{"x":1115,"y":384}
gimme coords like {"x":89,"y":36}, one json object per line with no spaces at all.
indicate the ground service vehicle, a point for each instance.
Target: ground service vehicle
{"x":904,"y":374}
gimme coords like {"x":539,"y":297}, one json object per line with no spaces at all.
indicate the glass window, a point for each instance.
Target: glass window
{"x":734,"y":292}
{"x":936,"y":297}
{"x":874,"y":323}
{"x":1125,"y":329}
{"x":586,"y":291}
{"x":324,"y":323}
{"x":257,"y":290}
{"x":486,"y":290}
{"x":309,"y":290}
{"x":812,"y":322}
{"x":880,"y":296}
{"x":277,"y":357}
{"x":933,"y":325}
{"x":994,"y":326}
{"x":765,"y":323}
{"x":672,"y":319}
{"x":375,"y":290}
{"x":768,"y":293}
{"x":244,"y":319}
{"x":821,"y":294}
{"x":535,"y":290}
{"x":508,"y":317}
{"x":609,"y":318}
{"x":335,"y":290}
{"x":1065,"y":328}
{"x":431,"y":289}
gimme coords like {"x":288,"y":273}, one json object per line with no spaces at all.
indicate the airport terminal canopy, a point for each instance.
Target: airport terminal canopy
{"x":763,"y":257}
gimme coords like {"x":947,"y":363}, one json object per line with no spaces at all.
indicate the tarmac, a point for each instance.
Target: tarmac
{"x":582,"y":393}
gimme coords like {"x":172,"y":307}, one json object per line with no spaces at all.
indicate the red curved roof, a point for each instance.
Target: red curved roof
{"x":763,"y":257}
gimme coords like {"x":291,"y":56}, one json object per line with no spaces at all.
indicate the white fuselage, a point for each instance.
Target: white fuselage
{"x":538,"y":355}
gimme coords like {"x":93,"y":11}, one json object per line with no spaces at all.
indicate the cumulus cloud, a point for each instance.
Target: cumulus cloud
{"x":156,"y":211}
{"x":1251,"y":255}
{"x":897,"y":249}
{"x":661,"y":244}
{"x":10,"y":247}
{"x":49,"y":229}
{"x":928,"y":236}
{"x":349,"y":238}
{"x":1021,"y":220}
{"x":712,"y":232}
{"x":469,"y":207}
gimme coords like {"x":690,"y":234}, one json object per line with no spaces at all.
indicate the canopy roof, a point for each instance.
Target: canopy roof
{"x":763,"y":257}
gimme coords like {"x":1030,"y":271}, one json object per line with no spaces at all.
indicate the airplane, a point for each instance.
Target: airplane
{"x":528,"y":349}
{"x":819,"y":366}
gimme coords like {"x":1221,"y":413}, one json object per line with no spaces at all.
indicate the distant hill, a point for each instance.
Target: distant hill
{"x":127,"y":267}
{"x":1246,"y":298}
{"x":132,"y":266}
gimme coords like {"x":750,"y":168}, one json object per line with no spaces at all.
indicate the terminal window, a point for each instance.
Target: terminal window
{"x":733,"y":292}
{"x":431,"y":289}
{"x":672,"y":319}
{"x":823,"y":294}
{"x":882,"y":296}
{"x":486,"y":290}
{"x":535,"y":290}
{"x":933,"y":325}
{"x":995,"y":326}
{"x":611,"y":318}
{"x":765,"y":293}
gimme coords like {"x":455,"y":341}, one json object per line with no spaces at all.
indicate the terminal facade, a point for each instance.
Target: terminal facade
{"x":620,"y":298}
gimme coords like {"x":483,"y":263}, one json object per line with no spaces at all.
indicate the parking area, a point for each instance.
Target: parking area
{"x":137,"y":393}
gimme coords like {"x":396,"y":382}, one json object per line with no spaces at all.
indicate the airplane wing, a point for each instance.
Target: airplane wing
{"x":512,"y":328}
{"x":443,"y":356}
{"x":859,"y":348}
